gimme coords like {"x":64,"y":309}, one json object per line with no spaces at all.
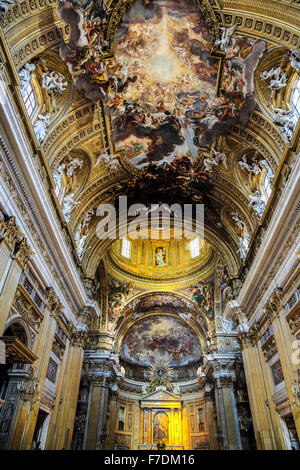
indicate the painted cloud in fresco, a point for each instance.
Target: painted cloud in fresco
{"x":160,"y":91}
{"x":161,"y":337}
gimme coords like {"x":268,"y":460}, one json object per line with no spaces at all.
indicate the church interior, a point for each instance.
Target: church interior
{"x":120,"y":334}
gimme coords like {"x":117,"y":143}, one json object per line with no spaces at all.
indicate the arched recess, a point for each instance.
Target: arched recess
{"x":134,"y":311}
{"x":275,"y":57}
{"x":16,"y":326}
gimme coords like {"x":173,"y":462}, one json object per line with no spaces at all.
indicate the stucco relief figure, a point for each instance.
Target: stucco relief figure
{"x":285,"y":118}
{"x":277,"y":78}
{"x":74,"y":164}
{"x":41,"y":125}
{"x":226,"y":39}
{"x":252,"y":167}
{"x":25,"y":75}
{"x":57,"y":174}
{"x":69,"y":205}
{"x":242,"y":250}
{"x":54,"y":82}
{"x":294,"y":56}
{"x":107,"y":159}
{"x":160,"y":256}
{"x":4,"y":5}
{"x":216,"y":160}
{"x":256,"y":201}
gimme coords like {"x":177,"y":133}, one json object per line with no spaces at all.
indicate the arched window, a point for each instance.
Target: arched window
{"x":295,"y":97}
{"x":29,"y":100}
{"x":126,"y":248}
{"x":194,"y":248}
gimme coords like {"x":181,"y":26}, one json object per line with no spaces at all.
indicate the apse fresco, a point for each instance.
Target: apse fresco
{"x":161,"y":337}
{"x":160,"y":90}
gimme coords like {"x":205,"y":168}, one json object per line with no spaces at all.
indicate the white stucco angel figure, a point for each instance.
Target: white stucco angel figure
{"x":238,"y":221}
{"x":25,"y":75}
{"x":107,"y":159}
{"x":285,"y":118}
{"x":218,"y":157}
{"x":226,"y":34}
{"x":68,"y":205}
{"x":54,"y":81}
{"x":294,"y":56}
{"x":81,"y":245}
{"x":40,"y":126}
{"x":257,"y":203}
{"x":277,"y":78}
{"x":252,"y":167}
{"x":4,"y":5}
{"x":73,"y":165}
{"x":87,"y":218}
{"x":242,"y":249}
{"x":57,"y":175}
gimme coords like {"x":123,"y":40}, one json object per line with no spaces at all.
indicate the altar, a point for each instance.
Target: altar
{"x":161,"y":420}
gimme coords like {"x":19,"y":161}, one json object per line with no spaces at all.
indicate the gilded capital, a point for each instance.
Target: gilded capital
{"x":248,"y":338}
{"x":22,"y":252}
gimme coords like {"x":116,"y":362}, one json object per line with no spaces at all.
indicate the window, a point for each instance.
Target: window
{"x":29,"y":100}
{"x":126,"y":248}
{"x":295,"y":98}
{"x":194,"y":248}
{"x":200,"y":420}
{"x":121,"y":425}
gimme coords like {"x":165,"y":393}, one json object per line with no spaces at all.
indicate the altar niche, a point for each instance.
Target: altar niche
{"x":161,"y":420}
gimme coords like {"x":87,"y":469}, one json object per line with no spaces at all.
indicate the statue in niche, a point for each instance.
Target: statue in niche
{"x":160,"y":256}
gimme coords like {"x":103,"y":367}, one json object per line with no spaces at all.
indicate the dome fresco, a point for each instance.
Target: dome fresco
{"x":161,"y":337}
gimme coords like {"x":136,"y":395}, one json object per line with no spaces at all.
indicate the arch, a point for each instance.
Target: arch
{"x":16,"y":326}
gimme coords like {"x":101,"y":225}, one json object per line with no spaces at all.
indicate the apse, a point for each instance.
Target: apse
{"x":161,"y":337}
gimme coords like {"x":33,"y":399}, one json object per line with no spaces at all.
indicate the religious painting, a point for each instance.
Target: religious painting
{"x":161,"y":427}
{"x":118,"y":294}
{"x":160,"y":90}
{"x":202,"y":294}
{"x":277,"y":373}
{"x":52,"y":371}
{"x":161,"y":337}
{"x":160,"y":256}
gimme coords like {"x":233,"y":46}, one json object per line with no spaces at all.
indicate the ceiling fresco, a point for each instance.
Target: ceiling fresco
{"x":161,"y":337}
{"x":161,"y":90}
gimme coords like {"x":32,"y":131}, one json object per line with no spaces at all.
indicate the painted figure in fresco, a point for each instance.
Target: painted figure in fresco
{"x":160,"y":90}
{"x":160,"y":337}
{"x":117,"y":296}
{"x":160,"y":257}
{"x":202,"y":295}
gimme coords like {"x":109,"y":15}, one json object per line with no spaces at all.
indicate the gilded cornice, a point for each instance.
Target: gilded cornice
{"x":278,"y":23}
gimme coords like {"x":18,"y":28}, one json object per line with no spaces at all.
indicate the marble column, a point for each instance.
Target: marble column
{"x":262,"y":423}
{"x":211,"y":421}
